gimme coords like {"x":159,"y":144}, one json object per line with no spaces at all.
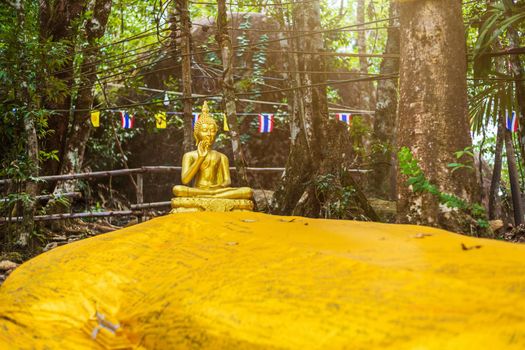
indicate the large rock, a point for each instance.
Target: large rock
{"x":250,"y":280}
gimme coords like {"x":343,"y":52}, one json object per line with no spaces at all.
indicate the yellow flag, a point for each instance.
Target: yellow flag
{"x":225,"y":126}
{"x":160,"y":119}
{"x":95,"y":118}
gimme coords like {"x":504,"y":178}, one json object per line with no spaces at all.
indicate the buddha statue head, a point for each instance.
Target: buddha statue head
{"x":205,"y":128}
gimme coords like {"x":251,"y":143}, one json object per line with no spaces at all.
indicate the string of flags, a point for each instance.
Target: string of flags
{"x":266,"y":120}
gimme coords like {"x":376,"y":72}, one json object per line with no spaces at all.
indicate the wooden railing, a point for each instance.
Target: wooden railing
{"x":136,"y":209}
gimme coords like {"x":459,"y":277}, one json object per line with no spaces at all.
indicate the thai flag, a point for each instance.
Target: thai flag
{"x":194,"y":119}
{"x":265,"y":122}
{"x":344,"y":117}
{"x":512,"y":122}
{"x":127,"y":120}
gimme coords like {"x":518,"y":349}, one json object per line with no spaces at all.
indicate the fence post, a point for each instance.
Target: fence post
{"x":140,"y":194}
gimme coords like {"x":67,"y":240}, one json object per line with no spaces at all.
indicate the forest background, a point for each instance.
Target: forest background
{"x":429,"y":84}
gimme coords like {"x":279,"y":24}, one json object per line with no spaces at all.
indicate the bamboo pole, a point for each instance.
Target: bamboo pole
{"x":140,"y":193}
{"x":106,"y":173}
{"x":51,"y":196}
{"x":145,"y":169}
{"x":71,"y":216}
{"x":150,"y":205}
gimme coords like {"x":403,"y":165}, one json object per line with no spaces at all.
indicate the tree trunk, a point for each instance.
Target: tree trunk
{"x":517,"y":204}
{"x":228,"y":91}
{"x":81,"y":127}
{"x":291,"y":76}
{"x":432,"y":117}
{"x":185,"y":43}
{"x":316,"y":181}
{"x":27,"y":98}
{"x":496,"y":171}
{"x":518,"y":73}
{"x":382,"y":179}
{"x":31,"y":188}
{"x":57,"y":23}
{"x":366,"y":86}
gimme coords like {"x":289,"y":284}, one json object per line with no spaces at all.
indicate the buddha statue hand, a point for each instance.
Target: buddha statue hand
{"x":202,"y":148}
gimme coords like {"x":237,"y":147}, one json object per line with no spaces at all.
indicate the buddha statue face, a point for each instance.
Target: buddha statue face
{"x":205,"y":130}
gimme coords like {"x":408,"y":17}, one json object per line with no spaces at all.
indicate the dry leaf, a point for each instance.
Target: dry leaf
{"x":464,"y":247}
{"x":286,"y":220}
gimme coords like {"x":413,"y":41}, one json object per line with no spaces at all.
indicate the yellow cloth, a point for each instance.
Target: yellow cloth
{"x":256,"y":281}
{"x":95,"y":118}
{"x":225,"y":126}
{"x":160,"y":120}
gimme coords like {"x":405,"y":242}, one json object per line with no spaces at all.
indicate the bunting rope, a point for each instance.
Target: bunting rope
{"x":266,"y":120}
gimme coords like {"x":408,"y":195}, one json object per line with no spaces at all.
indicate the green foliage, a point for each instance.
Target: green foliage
{"x":243,"y":39}
{"x":337,"y":200}
{"x":494,"y":95}
{"x":210,"y":56}
{"x":14,"y":198}
{"x":25,"y":63}
{"x":468,"y":151}
{"x":359,"y":130}
{"x":259,"y":61}
{"x":498,"y":18}
{"x":332,"y":94}
{"x":418,"y":182}
{"x":52,"y":155}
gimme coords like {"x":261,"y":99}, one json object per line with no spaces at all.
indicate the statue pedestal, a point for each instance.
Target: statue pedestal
{"x":194,"y":204}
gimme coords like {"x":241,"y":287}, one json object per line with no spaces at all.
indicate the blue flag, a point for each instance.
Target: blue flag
{"x":344,"y":117}
{"x":512,"y":122}
{"x":265,"y":122}
{"x":127,"y":120}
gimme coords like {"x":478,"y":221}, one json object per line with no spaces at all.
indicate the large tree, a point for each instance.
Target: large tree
{"x":59,"y":24}
{"x":432,"y":119}
{"x":79,"y":129}
{"x":228,"y":91}
{"x":316,"y":182}
{"x":381,"y":180}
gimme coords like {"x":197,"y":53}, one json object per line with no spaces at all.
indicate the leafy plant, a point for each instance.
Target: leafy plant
{"x":337,"y":199}
{"x":243,"y":40}
{"x":418,"y":182}
{"x":468,"y":151}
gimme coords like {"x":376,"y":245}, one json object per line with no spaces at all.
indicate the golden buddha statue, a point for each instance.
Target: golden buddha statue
{"x":210,"y":172}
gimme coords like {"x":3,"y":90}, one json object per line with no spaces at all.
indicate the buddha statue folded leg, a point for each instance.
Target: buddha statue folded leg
{"x":233,"y":193}
{"x":225,"y":192}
